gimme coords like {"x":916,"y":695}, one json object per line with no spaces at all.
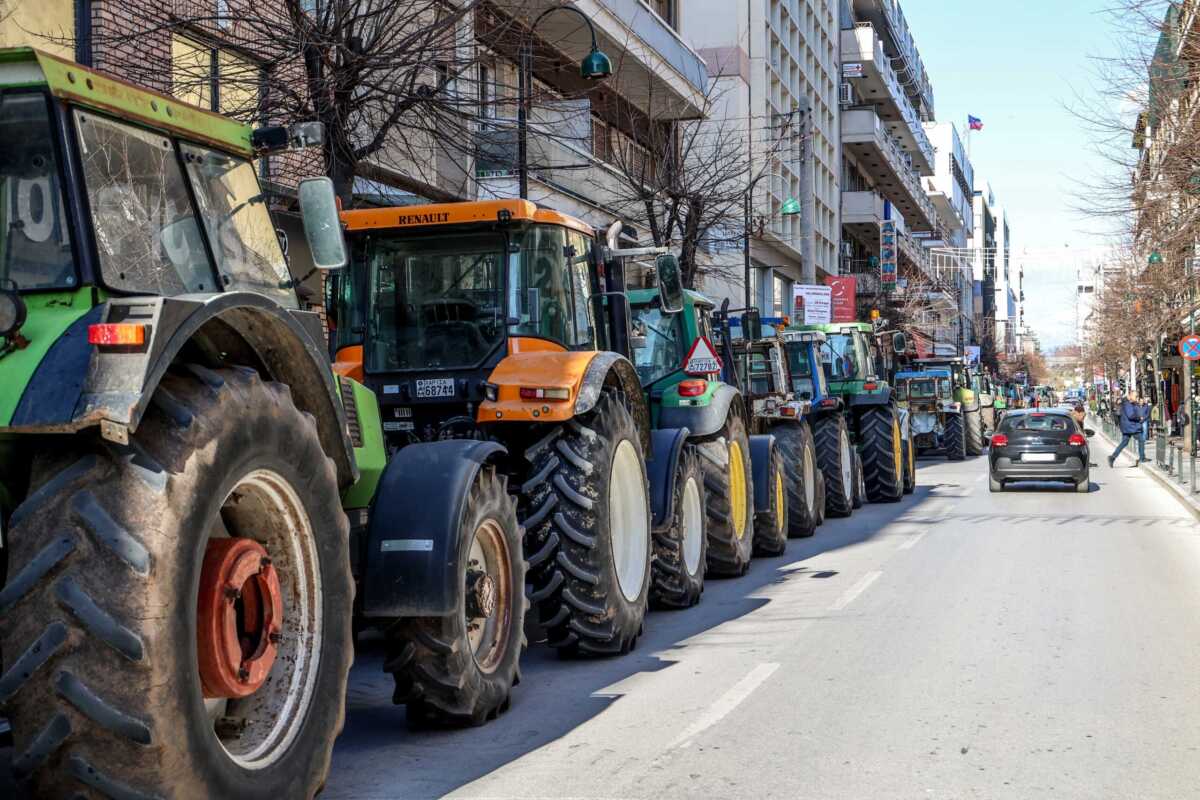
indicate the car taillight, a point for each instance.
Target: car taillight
{"x":692,"y":388}
{"x":1076,"y":440}
{"x":870,"y":387}
{"x":999,"y":440}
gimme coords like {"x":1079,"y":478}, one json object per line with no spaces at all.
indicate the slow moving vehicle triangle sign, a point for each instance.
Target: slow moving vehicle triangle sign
{"x":701,"y":359}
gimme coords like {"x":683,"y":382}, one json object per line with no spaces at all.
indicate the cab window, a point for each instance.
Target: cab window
{"x":543,"y":276}
{"x":662,"y":349}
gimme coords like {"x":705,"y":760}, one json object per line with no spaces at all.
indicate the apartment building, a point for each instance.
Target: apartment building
{"x":950,"y":260}
{"x":886,"y":100}
{"x":776,"y":64}
{"x":1008,"y":293}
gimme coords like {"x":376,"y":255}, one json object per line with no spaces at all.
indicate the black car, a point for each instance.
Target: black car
{"x":1039,"y":445}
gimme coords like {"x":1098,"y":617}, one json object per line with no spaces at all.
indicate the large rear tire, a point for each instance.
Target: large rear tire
{"x":679,"y":551}
{"x":771,"y":526}
{"x":795,"y":443}
{"x":460,"y":669}
{"x":586,"y":513}
{"x":881,"y":444}
{"x":729,"y":486}
{"x":956,"y":443}
{"x":836,"y":459}
{"x":974,"y":423}
{"x":102,"y":614}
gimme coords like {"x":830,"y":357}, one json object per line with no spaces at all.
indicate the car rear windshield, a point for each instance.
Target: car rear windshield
{"x":1037,"y":422}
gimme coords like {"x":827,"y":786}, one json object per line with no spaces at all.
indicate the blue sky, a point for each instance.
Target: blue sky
{"x":1018,"y":66}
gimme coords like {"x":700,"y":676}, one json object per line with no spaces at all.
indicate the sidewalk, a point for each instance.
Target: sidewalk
{"x":1128,"y":458}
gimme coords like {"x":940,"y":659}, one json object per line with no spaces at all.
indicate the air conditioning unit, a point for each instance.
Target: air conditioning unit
{"x":846,"y":94}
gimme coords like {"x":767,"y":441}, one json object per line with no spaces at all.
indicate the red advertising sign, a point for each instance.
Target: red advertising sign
{"x":843,"y":299}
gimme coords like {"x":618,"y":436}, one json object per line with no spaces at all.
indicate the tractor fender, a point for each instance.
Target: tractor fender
{"x":79,"y":386}
{"x":879,"y":398}
{"x":410,"y":561}
{"x":613,"y":369}
{"x":666,"y":445}
{"x":761,"y":449}
{"x":707,"y":419}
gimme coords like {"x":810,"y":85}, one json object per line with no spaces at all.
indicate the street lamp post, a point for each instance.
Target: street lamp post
{"x":788,"y":209}
{"x":595,"y":66}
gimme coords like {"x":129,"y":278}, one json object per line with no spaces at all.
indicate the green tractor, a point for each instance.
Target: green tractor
{"x":177,"y":456}
{"x":745,"y":481}
{"x":856,"y":363}
{"x":966,"y":392}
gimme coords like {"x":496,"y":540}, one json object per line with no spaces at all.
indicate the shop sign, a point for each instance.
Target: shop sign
{"x":887,"y":254}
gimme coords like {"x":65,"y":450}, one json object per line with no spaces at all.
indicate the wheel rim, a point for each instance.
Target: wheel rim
{"x":810,"y":481}
{"x":737,"y":489}
{"x":487,"y":593}
{"x":693,"y":520}
{"x":847,"y":465}
{"x":630,"y":534}
{"x":896,"y":450}
{"x":255,"y":730}
{"x":779,"y":501}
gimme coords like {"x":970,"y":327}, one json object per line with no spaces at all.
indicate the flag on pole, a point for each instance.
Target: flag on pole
{"x":974,"y":123}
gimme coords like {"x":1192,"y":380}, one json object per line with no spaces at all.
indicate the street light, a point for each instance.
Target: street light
{"x":594,"y":67}
{"x":790,"y":208}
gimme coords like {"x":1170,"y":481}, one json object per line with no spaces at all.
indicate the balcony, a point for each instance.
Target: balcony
{"x":880,"y":86}
{"x":867,"y":138}
{"x":864,"y":212}
{"x":889,"y":20}
{"x":946,"y":210}
{"x":654,"y":68}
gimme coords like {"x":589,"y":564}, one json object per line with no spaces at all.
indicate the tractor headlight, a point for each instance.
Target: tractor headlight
{"x":12,"y":312}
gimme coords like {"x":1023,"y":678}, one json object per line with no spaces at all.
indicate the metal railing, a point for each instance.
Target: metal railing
{"x":1171,"y":457}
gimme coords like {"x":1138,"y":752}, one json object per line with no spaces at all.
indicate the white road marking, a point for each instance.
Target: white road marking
{"x":854,"y":591}
{"x":724,"y":704}
{"x":911,"y":541}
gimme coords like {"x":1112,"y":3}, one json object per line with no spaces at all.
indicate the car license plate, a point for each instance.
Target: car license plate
{"x":435,"y":387}
{"x":1037,"y":456}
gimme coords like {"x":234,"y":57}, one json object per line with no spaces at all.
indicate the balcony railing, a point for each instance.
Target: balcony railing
{"x":863,"y":44}
{"x":863,"y":126}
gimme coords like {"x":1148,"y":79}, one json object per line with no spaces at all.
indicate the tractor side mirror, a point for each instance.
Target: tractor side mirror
{"x":899,"y":343}
{"x":670,"y":283}
{"x":322,"y":227}
{"x":752,"y":325}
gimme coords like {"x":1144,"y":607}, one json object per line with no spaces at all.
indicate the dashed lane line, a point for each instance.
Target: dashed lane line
{"x":854,"y":591}
{"x":724,"y":705}
{"x":911,"y":541}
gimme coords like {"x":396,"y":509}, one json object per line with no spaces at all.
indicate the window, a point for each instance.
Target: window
{"x":581,"y":272}
{"x":666,"y":10}
{"x":782,"y":293}
{"x":487,"y":91}
{"x":543,"y":277}
{"x":35,"y":248}
{"x":664,"y":349}
{"x":146,"y":233}
{"x":214,"y":78}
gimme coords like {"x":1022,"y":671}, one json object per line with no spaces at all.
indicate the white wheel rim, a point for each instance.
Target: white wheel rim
{"x":810,"y":482}
{"x":629,"y":528}
{"x":265,"y":506}
{"x":693,"y":521}
{"x":847,"y":466}
{"x":487,"y":635}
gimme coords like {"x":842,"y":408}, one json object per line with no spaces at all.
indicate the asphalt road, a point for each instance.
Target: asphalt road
{"x":1031,"y":644}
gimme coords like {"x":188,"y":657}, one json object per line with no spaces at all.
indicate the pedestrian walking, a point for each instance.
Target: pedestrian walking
{"x":1133,"y":415}
{"x":1079,"y":414}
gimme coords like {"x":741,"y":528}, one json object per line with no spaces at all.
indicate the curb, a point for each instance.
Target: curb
{"x":1182,"y":493}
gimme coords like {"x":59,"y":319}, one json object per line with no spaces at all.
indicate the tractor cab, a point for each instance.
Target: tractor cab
{"x":926,"y":391}
{"x":806,"y":354}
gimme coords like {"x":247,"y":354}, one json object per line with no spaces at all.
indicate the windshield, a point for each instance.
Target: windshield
{"x":1037,"y":422}
{"x":35,"y":248}
{"x":235,"y":215}
{"x":922,"y":389}
{"x":800,"y":369}
{"x":848,"y":362}
{"x":663,"y":349}
{"x":146,"y":234}
{"x":435,"y":301}
{"x":551,"y":271}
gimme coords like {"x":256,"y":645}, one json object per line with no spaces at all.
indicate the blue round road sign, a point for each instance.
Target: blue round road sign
{"x":1189,"y":347}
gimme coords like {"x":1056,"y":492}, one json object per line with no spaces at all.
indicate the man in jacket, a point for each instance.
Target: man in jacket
{"x":1133,"y":415}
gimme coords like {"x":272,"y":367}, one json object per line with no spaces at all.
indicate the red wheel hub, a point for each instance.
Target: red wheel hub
{"x":239,"y":615}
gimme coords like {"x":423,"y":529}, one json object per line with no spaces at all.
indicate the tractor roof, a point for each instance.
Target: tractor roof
{"x":793,"y":335}
{"x":922,"y":374}
{"x":641,"y":297}
{"x":466,"y":213}
{"x":25,"y":66}
{"x":942,"y":360}
{"x":837,"y":327}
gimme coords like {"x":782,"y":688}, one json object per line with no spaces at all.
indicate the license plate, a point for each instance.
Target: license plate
{"x":435,"y":387}
{"x":1037,"y":456}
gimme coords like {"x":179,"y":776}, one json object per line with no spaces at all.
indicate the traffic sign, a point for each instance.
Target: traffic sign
{"x":702,"y":358}
{"x":1189,"y":347}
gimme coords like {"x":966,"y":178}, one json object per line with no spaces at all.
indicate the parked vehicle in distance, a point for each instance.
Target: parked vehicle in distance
{"x":937,"y":418}
{"x":1039,"y":445}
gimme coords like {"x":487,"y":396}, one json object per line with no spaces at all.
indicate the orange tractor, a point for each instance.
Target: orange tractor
{"x":505,"y":323}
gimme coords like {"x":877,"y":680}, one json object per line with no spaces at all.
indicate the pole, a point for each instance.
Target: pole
{"x":524,"y":66}
{"x":746,"y":245}
{"x":808,"y":263}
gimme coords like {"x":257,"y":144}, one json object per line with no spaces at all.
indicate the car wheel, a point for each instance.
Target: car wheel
{"x":995,"y":485}
{"x":1084,"y":486}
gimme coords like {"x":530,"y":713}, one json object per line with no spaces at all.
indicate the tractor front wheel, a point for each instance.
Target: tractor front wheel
{"x":882,"y":454}
{"x":910,"y":466}
{"x":974,"y":423}
{"x":771,"y":525}
{"x":179,"y":612}
{"x":679,"y":551}
{"x":955,"y":438}
{"x":586,"y":512}
{"x":729,"y":485}
{"x":795,"y":443}
{"x":460,"y":669}
{"x":836,"y":458}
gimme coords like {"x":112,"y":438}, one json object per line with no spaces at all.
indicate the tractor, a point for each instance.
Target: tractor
{"x":175,"y":452}
{"x":935,"y":415}
{"x":856,"y":363}
{"x":963,"y":383}
{"x":503,"y":328}
{"x":745,"y":478}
